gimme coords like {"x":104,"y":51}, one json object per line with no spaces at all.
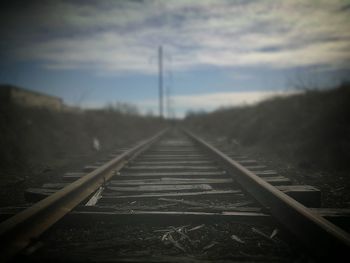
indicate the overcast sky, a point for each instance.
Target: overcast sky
{"x":216,"y":53}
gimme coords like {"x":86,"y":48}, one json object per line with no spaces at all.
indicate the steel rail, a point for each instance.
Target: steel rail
{"x":324,"y":239}
{"x":19,"y":231}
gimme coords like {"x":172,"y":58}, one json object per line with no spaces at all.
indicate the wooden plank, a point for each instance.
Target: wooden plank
{"x":265,"y":173}
{"x":164,"y":159}
{"x":160,"y":188}
{"x":223,"y":193}
{"x":170,"y":167}
{"x":170,"y":157}
{"x":170,"y":162}
{"x":149,"y":175}
{"x":84,"y":214}
{"x":184,"y":156}
{"x":342,"y":218}
{"x":219,"y":209}
{"x":186,"y":145}
{"x":212,"y":180}
{"x":189,"y":148}
{"x":74,"y":174}
{"x":237,"y":156}
{"x":166,"y":217}
{"x":173,"y":151}
{"x":277,"y":180}
{"x":254,"y":167}
{"x":168,"y":181}
{"x":153,"y":258}
{"x":305,"y":194}
{"x":206,"y":207}
{"x":247,"y":161}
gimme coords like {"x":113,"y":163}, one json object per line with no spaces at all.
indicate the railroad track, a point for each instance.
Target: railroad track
{"x":174,"y":197}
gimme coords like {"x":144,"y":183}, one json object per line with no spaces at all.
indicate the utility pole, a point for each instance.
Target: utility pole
{"x":160,"y":67}
{"x":168,"y":101}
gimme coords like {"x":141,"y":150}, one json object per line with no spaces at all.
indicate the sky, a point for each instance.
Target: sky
{"x":217,"y":53}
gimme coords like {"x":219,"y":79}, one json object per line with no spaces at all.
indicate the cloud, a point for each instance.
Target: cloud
{"x":212,"y":101}
{"x":123,"y":36}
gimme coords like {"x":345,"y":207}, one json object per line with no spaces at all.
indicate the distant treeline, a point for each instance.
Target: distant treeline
{"x":32,"y":135}
{"x":311,"y":128}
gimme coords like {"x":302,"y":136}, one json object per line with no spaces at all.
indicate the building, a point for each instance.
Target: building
{"x":27,"y":98}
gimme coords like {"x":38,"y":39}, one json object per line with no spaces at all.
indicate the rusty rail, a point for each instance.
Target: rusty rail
{"x":318,"y":235}
{"x":21,"y":230}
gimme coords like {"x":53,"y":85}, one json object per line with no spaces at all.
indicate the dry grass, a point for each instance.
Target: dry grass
{"x":31,"y":136}
{"x":312,"y":129}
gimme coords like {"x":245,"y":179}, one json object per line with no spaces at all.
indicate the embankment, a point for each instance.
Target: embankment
{"x":311,"y":129}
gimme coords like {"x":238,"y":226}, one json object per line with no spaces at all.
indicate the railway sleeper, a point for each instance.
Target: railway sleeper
{"x":305,"y":194}
{"x":84,"y":214}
